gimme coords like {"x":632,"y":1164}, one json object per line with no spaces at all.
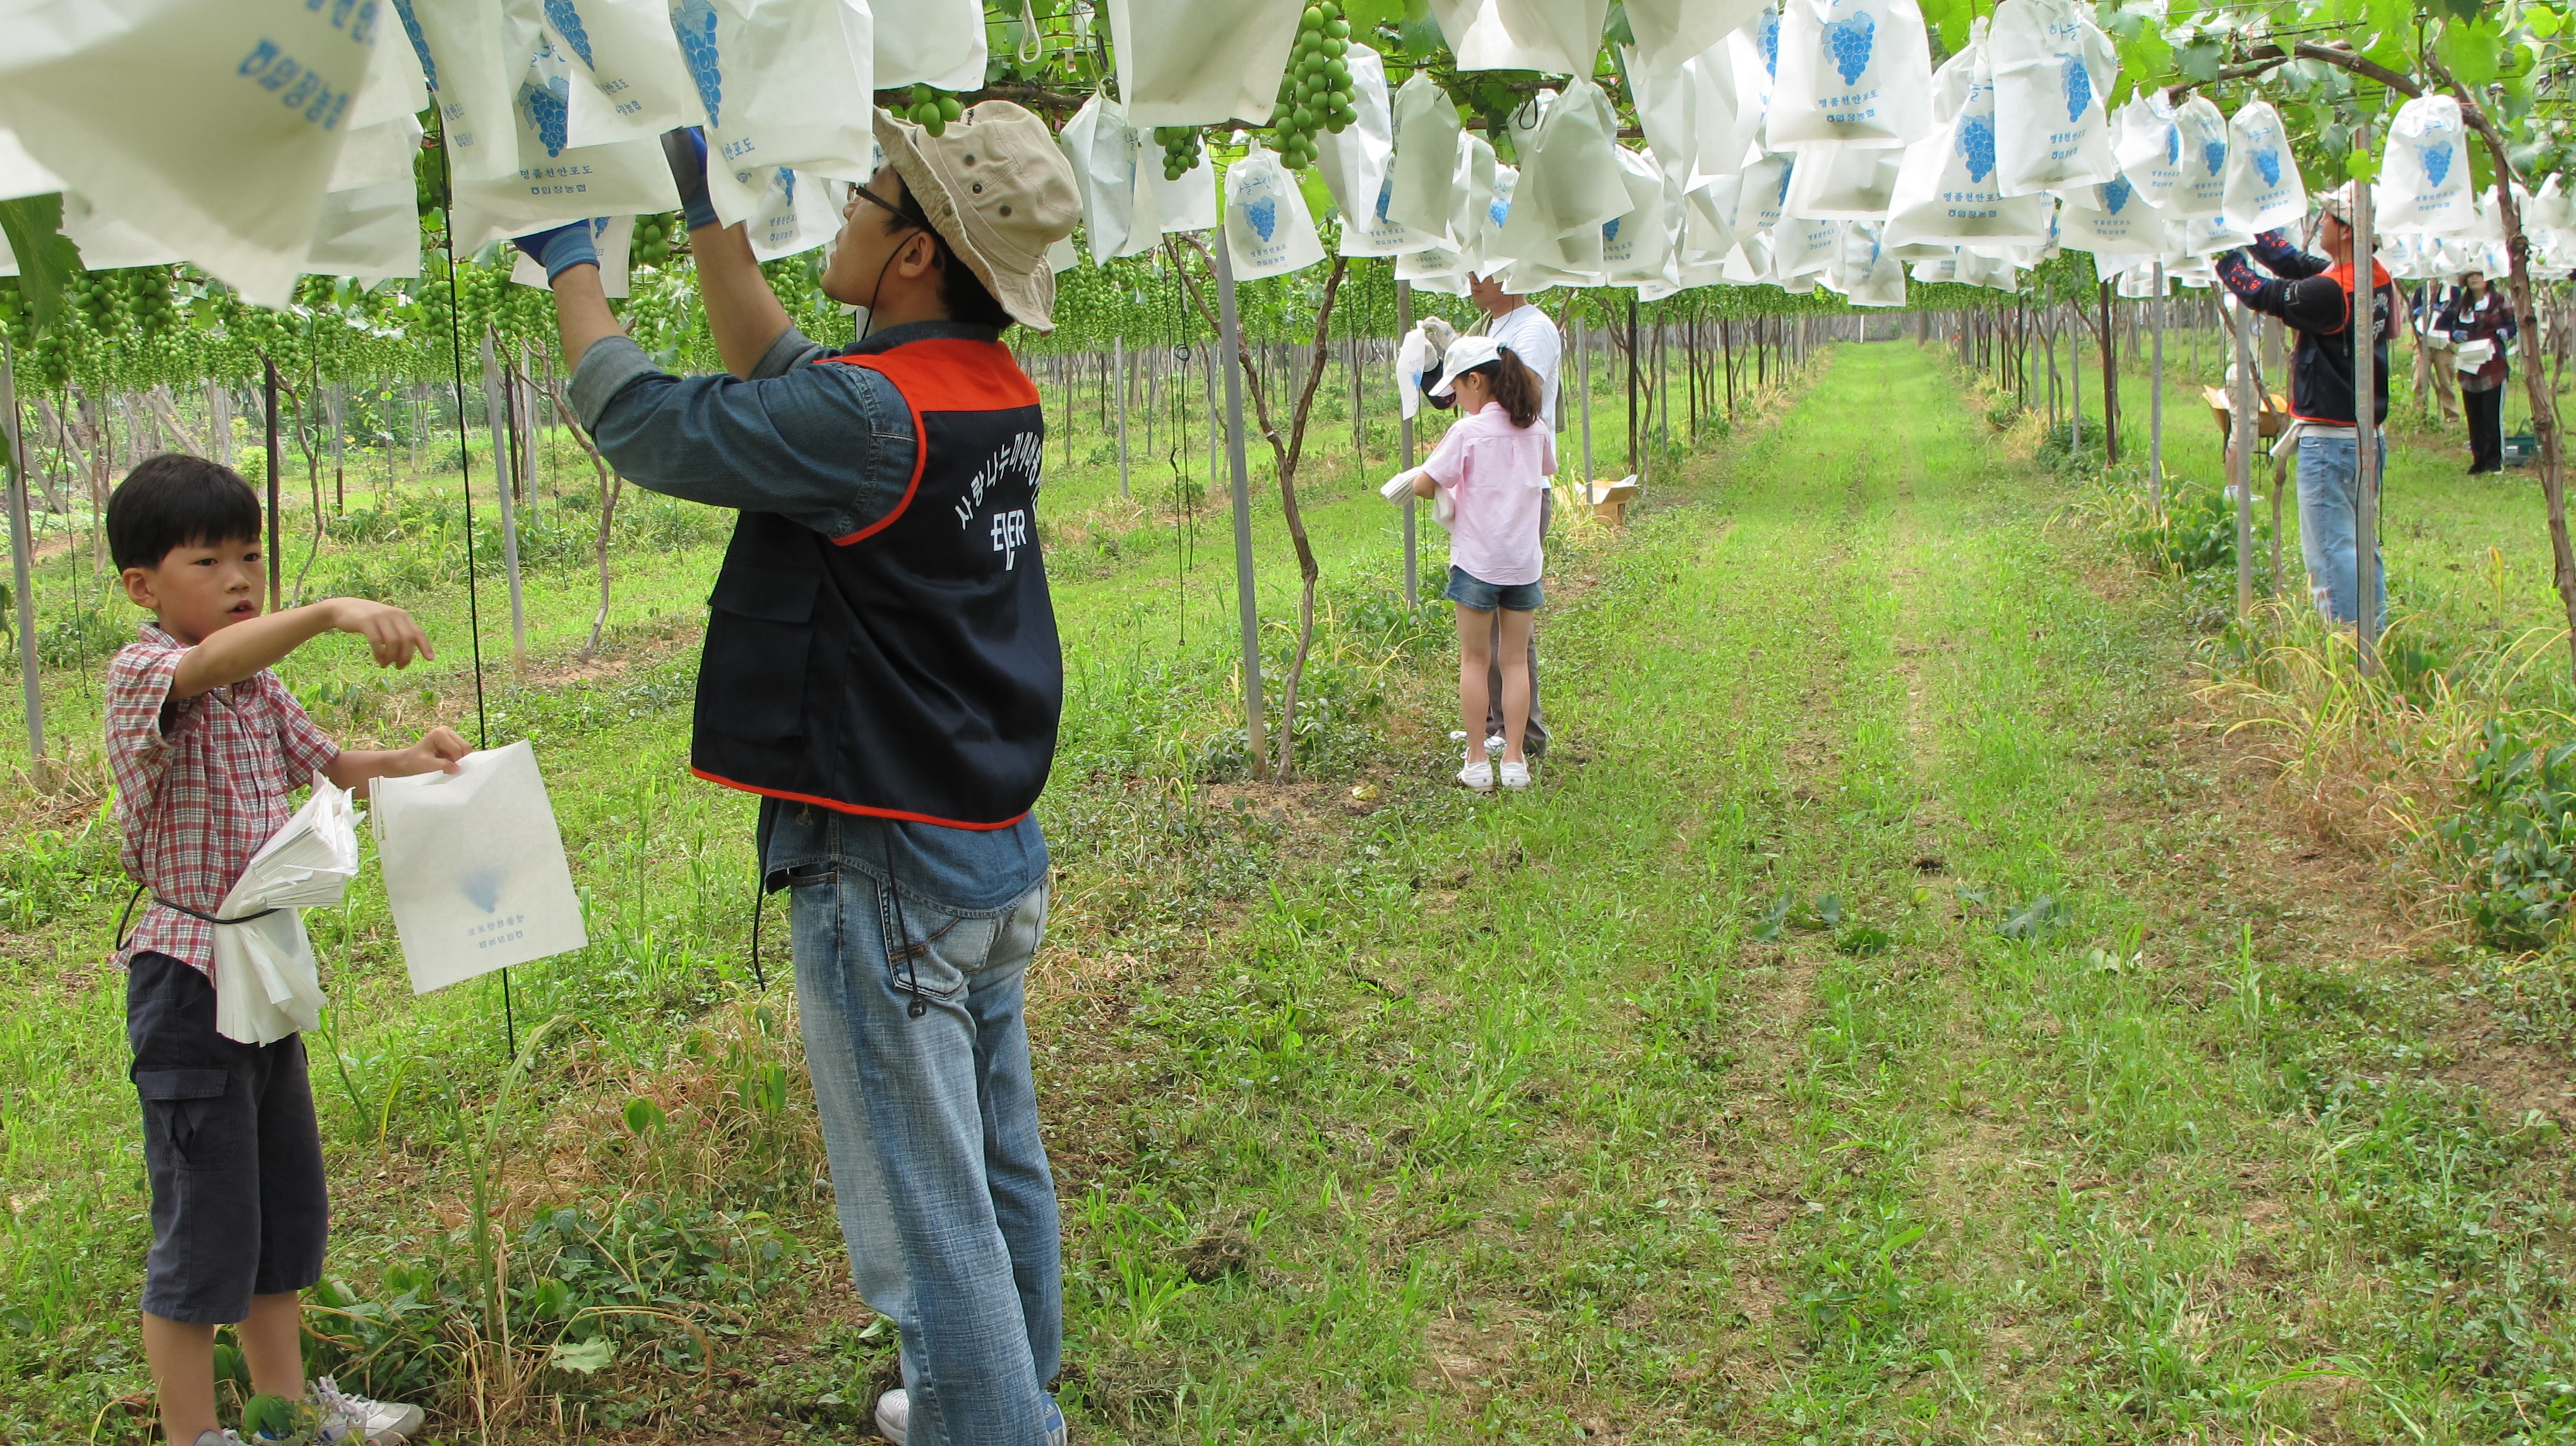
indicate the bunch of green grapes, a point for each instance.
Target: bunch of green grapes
{"x":653,"y":238}
{"x":1180,"y":150}
{"x":1315,"y":93}
{"x":933,"y":108}
{"x":95,"y":295}
{"x":150,"y":301}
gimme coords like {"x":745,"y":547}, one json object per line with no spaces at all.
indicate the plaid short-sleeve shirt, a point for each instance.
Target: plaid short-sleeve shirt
{"x":201,"y":783}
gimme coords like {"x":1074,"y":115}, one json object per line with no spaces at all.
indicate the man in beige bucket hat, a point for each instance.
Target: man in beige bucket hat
{"x":881,"y":668}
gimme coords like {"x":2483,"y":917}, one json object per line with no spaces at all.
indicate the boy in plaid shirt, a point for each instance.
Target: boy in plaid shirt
{"x":206,"y":745}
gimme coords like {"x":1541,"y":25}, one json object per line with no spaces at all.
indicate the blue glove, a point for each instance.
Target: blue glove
{"x":559,"y":250}
{"x":684,"y":150}
{"x":2461,"y":335}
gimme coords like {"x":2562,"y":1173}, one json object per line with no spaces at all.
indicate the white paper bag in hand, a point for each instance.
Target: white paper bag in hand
{"x":784,"y":83}
{"x":1851,"y":72}
{"x":1268,"y":228}
{"x":629,"y":81}
{"x":2263,"y":185}
{"x":474,"y":869}
{"x":266,"y":985}
{"x":2052,"y":66}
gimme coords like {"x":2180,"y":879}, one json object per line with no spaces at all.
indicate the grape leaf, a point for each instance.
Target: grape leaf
{"x":2469,"y":51}
{"x":2145,"y":58}
{"x":583,"y":1356}
{"x":2200,"y":60}
{"x":47,"y":259}
{"x":1951,"y":18}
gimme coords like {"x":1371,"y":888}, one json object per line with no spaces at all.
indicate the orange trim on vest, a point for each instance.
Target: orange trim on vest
{"x":2341,"y":275}
{"x":839,"y":807}
{"x":942,"y":374}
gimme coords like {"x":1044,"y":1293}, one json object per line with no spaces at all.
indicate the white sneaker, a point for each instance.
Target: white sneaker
{"x":219,"y":1438}
{"x":347,"y":1416}
{"x":1478,"y":775}
{"x":1494,"y":745}
{"x":1515,"y":775}
{"x":894,"y":1418}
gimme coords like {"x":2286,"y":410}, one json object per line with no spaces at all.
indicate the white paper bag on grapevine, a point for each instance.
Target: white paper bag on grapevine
{"x":1843,"y":183}
{"x":932,"y":42}
{"x":1765,"y":190}
{"x":1670,"y":32}
{"x":2147,"y":143}
{"x":210,"y":127}
{"x":1104,"y":150}
{"x":472,"y":56}
{"x":629,"y":82}
{"x":1704,"y":239}
{"x":1881,"y":280}
{"x":1754,"y":56}
{"x":1358,"y":166}
{"x":2263,"y":185}
{"x":2424,"y":190}
{"x":2052,"y":66}
{"x":2110,"y":220}
{"x":2203,"y":138}
{"x":1642,"y":245}
{"x":784,"y":83}
{"x":1801,"y":248}
{"x":1427,"y":144}
{"x":1485,"y":256}
{"x":1268,"y":229}
{"x":1434,"y":268}
{"x":1559,"y":37}
{"x":555,"y":181}
{"x":1201,"y":62}
{"x":796,"y":215}
{"x":1186,"y":204}
{"x":1851,"y":72}
{"x":1946,"y":189}
{"x":1569,"y":182}
{"x":19,"y":173}
{"x":1668,"y":113}
{"x":474,"y":868}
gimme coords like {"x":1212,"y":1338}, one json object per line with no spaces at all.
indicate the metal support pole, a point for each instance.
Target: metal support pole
{"x":1583,"y":370}
{"x":22,"y":552}
{"x":1412,"y":555}
{"x":269,"y":381}
{"x":1247,"y":607}
{"x":2240,"y":464}
{"x":1120,"y":344}
{"x":502,"y":461}
{"x":2156,"y":406}
{"x":2364,"y":300}
{"x":2075,"y":379}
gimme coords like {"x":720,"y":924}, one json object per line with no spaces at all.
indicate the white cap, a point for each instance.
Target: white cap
{"x":1465,"y":354}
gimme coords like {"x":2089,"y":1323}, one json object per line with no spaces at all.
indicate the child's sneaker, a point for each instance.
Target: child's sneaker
{"x":894,"y":1418}
{"x":1515,"y":774}
{"x":353,"y":1418}
{"x":219,"y":1438}
{"x":1478,"y":774}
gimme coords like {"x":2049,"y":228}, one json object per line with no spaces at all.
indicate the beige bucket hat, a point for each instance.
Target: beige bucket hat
{"x":998,"y":191}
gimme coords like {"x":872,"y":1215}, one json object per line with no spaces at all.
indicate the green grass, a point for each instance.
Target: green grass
{"x":1880,"y":1024}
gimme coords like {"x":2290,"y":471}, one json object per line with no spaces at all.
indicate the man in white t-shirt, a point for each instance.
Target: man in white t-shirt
{"x":1513,"y":323}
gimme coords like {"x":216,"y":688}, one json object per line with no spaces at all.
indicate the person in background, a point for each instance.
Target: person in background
{"x":1525,"y":331}
{"x":2477,"y":314}
{"x":2433,"y":351}
{"x":2314,"y":295}
{"x":882,"y":668}
{"x":1494,"y":463}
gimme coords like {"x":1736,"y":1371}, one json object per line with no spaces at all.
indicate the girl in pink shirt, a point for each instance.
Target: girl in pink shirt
{"x":1493,"y":464}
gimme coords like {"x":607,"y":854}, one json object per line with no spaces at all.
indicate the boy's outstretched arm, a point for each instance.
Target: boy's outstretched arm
{"x":438,"y":749}
{"x":241,"y":650}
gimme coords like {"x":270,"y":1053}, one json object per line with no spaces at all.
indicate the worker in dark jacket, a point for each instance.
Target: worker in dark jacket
{"x":2314,"y":295}
{"x":2476,"y":313}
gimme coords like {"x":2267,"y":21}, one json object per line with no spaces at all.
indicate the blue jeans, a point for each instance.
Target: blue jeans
{"x":2329,"y":513}
{"x":931,"y":1124}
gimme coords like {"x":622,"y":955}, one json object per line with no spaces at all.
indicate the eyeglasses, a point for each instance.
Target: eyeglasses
{"x":850,"y":207}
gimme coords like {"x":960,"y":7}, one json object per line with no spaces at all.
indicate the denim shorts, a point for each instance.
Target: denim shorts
{"x":1474,"y":593}
{"x":231,"y":1147}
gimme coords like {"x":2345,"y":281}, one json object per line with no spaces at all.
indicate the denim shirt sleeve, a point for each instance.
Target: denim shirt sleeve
{"x":829,"y":447}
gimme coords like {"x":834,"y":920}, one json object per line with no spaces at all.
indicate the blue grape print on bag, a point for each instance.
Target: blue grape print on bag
{"x":2437,"y":161}
{"x":547,"y":107}
{"x":567,"y":23}
{"x":2213,"y":154}
{"x":2268,"y":161}
{"x":1977,"y":145}
{"x":1848,"y":41}
{"x":2078,"y":82}
{"x":694,"y":21}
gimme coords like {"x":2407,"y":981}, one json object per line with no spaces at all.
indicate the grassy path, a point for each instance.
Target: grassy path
{"x":1876,"y":1028}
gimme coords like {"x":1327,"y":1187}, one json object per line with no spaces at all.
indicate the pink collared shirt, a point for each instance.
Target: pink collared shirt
{"x":201,"y":783}
{"x":1496,"y":477}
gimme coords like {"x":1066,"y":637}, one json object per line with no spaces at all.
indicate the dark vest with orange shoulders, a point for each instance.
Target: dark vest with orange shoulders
{"x":911,"y":669}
